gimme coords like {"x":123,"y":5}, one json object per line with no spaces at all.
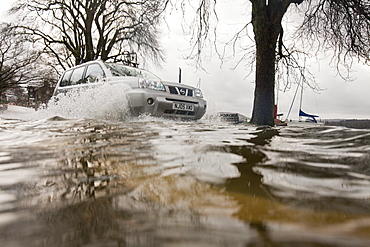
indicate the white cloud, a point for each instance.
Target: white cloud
{"x":5,"y":6}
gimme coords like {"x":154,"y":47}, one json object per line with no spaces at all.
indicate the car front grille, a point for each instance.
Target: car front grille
{"x":181,"y":91}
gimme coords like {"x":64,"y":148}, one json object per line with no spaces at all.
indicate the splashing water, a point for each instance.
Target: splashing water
{"x":108,"y":101}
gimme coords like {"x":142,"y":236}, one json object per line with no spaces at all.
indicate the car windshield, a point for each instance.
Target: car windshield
{"x":122,"y":70}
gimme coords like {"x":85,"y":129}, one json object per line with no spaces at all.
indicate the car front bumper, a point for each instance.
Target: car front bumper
{"x":161,"y":104}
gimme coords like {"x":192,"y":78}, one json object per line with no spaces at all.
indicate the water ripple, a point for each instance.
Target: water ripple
{"x":155,"y":182}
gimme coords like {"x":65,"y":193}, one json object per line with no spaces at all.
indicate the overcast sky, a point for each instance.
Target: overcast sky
{"x":226,"y":89}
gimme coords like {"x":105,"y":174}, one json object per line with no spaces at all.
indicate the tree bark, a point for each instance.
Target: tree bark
{"x":264,"y":93}
{"x":266,"y":20}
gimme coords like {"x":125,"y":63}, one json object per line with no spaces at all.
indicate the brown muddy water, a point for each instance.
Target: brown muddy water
{"x":156,"y":182}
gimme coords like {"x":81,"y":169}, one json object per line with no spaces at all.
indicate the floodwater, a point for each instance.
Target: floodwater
{"x":67,"y":181}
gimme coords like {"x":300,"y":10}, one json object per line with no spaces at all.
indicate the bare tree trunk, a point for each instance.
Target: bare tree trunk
{"x":266,"y":27}
{"x":264,"y":93}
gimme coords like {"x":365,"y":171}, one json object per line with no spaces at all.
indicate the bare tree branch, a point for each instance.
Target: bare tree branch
{"x":94,"y":29}
{"x":17,"y":56}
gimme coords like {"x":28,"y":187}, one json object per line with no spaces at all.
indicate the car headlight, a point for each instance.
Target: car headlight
{"x":155,"y":85}
{"x":198,"y":93}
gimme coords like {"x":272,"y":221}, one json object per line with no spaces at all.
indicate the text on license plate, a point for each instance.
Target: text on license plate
{"x":183,"y":106}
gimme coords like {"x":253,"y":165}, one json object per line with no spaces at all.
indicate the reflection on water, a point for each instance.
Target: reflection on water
{"x":155,"y":182}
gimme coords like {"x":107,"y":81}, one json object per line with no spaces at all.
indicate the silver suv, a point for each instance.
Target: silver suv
{"x":146,"y":93}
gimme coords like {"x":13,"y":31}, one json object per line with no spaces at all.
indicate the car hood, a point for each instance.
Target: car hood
{"x":176,"y":84}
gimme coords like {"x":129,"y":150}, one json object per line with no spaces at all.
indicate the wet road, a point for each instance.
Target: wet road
{"x":156,"y":182}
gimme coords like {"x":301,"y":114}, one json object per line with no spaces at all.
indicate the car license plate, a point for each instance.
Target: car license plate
{"x":183,"y":106}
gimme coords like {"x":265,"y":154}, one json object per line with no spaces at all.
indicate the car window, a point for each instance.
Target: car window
{"x":65,"y":79}
{"x":76,"y":77}
{"x":122,"y":70}
{"x":94,"y":72}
